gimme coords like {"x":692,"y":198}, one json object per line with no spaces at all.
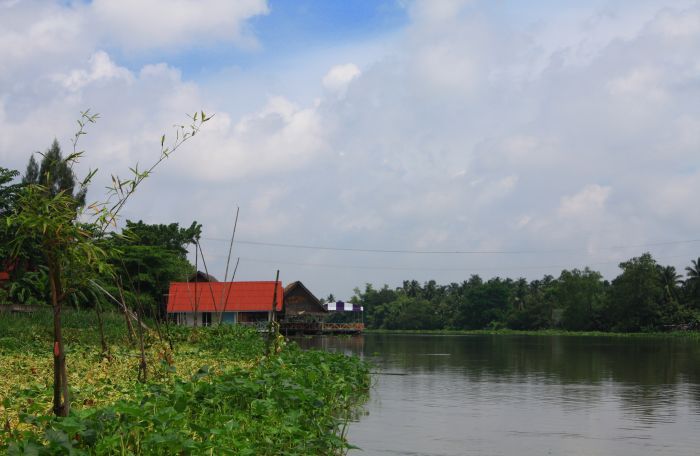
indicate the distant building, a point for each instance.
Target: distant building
{"x":200,"y":303}
{"x":300,"y":304}
{"x":200,"y":276}
{"x":297,"y":309}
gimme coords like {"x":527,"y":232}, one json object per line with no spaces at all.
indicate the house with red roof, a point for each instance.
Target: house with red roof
{"x":200,"y":303}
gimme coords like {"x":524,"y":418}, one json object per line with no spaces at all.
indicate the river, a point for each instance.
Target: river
{"x":526,"y":395}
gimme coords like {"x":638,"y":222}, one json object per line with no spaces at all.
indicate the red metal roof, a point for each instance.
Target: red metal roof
{"x":242,"y":296}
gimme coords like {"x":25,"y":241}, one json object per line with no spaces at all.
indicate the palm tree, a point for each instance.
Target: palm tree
{"x":692,"y":283}
{"x":694,"y":270}
{"x":670,"y":280}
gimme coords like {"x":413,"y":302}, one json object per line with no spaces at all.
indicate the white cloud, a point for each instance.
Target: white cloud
{"x":639,"y":82}
{"x":469,"y":133}
{"x":438,"y":12}
{"x":159,"y":24}
{"x":101,"y":68}
{"x":35,"y":32}
{"x":338,"y":77}
{"x":589,"y":202}
{"x":674,"y":25}
{"x":279,"y":138}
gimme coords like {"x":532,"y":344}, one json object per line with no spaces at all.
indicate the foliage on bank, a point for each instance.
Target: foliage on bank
{"x":538,"y":333}
{"x":216,"y":392}
{"x":644,"y":297}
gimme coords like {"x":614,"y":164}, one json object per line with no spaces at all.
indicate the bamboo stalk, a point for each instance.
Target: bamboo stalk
{"x":272,"y":331}
{"x":196,"y":280}
{"x":206,"y":270}
{"x":228,"y":261}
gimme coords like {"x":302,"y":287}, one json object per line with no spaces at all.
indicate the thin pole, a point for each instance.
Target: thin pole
{"x":233,"y":276}
{"x":272,"y":333}
{"x":274,"y":298}
{"x":206,"y":270}
{"x":196,"y":280}
{"x":228,"y":261}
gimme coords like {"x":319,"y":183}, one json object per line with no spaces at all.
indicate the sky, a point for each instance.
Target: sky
{"x":376,"y":141}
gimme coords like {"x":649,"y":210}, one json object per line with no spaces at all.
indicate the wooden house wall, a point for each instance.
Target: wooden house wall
{"x":298,"y":301}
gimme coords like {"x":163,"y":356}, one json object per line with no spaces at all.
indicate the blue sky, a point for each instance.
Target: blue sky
{"x":290,"y":30}
{"x":539,"y":135}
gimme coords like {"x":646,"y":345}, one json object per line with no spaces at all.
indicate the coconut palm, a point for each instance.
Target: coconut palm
{"x":670,"y":280}
{"x":694,"y":270}
{"x":692,"y":283}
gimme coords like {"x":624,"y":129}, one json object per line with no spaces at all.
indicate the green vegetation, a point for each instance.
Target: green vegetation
{"x":539,"y":332}
{"x":216,"y":392}
{"x":51,"y":233}
{"x":146,"y":258}
{"x":645,"y":297}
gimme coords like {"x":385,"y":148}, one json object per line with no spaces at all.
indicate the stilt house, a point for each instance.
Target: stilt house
{"x":301,"y":305}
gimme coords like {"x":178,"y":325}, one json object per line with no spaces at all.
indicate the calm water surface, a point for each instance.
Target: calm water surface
{"x":527,"y":395}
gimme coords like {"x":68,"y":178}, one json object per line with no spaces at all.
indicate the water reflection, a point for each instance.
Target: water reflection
{"x":527,"y":395}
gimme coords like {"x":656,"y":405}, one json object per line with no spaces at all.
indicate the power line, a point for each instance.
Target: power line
{"x":447,"y":252}
{"x":433,"y":269}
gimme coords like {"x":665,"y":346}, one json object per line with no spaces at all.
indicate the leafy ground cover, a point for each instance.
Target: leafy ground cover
{"x":215,"y":392}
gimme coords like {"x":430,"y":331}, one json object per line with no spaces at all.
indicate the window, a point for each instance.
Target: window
{"x":206,"y":318}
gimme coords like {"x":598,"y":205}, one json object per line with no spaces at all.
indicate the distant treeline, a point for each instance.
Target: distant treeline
{"x":646,"y":296}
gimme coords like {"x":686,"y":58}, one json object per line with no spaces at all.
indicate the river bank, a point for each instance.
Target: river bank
{"x":543,"y":332}
{"x":216,"y":391}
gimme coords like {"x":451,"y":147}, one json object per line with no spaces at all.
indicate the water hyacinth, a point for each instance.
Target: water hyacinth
{"x":238,"y":400}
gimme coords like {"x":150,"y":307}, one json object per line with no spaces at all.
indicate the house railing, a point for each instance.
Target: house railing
{"x":320,"y":327}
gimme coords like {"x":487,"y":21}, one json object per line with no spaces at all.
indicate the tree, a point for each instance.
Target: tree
{"x":411,"y":313}
{"x":533,"y":306}
{"x":637,"y":295}
{"x":55,"y":174}
{"x":581,"y":295}
{"x":46,"y":214}
{"x":8,"y":191}
{"x":31,"y":175}
{"x":692,"y":283}
{"x":670,"y":279}
{"x":483,"y":304}
{"x":48,"y":220}
{"x":374,"y":303}
{"x":8,"y":200}
{"x":170,"y":237}
{"x":148,"y":257}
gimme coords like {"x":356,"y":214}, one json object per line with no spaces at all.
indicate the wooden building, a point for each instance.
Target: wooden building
{"x":300,"y":304}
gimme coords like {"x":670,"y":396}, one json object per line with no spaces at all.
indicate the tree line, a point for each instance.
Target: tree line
{"x":143,"y":258}
{"x":57,"y":248}
{"x":645,"y":296}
